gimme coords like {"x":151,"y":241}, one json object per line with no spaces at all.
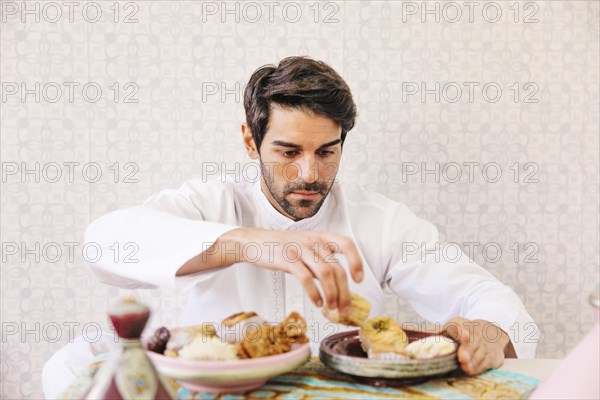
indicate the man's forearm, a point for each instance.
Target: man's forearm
{"x":214,"y":257}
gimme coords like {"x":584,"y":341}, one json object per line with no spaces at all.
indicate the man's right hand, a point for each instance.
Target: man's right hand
{"x":307,"y":255}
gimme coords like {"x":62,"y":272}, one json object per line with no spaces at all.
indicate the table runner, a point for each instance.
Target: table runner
{"x":314,"y":380}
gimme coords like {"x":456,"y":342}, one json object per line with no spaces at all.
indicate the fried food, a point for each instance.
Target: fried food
{"x":381,"y":337}
{"x":237,"y":318}
{"x":271,"y":340}
{"x":235,"y":327}
{"x":292,"y":329}
{"x":359,"y":312}
{"x":253,"y":338}
{"x":264,"y":342}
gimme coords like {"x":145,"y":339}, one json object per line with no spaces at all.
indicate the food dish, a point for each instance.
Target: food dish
{"x":230,"y":376}
{"x":255,"y":352}
{"x":381,"y":353}
{"x":382,"y":338}
{"x":343,"y":352}
{"x":243,"y":335}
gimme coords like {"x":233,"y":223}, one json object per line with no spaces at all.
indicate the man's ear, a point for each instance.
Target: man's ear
{"x":249,"y":144}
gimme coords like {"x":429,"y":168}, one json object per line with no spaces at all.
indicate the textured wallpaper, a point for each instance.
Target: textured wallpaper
{"x":481,"y":116}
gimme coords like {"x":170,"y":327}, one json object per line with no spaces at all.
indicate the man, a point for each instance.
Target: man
{"x":295,"y":239}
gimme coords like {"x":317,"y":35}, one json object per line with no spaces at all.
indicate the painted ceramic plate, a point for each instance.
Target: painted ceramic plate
{"x":342,"y":352}
{"x":229,"y":376}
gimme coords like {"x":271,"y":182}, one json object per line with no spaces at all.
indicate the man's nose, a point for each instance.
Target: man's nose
{"x":308,"y":169}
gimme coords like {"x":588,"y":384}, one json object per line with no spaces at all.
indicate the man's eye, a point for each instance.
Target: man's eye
{"x":289,"y":153}
{"x":325,"y":153}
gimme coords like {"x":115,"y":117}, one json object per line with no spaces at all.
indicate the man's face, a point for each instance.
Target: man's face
{"x":299,"y":156}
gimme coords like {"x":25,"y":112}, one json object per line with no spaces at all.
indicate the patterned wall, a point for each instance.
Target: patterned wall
{"x":506,"y":94}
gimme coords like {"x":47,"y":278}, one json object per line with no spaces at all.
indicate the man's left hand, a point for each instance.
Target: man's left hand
{"x":482,"y":345}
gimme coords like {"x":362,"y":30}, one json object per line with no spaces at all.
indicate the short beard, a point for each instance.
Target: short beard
{"x":285,"y":205}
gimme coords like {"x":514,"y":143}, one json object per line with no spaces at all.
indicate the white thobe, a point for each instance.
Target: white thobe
{"x":174,"y":226}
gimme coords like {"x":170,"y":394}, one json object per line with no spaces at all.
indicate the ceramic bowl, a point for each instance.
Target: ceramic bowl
{"x":229,"y":376}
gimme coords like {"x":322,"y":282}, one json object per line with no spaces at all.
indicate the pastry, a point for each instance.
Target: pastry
{"x":430,"y":346}
{"x":263,"y":342}
{"x":383,"y":338}
{"x":243,"y":335}
{"x":237,"y":318}
{"x":292,"y":329}
{"x":271,"y":340}
{"x":237,"y":326}
{"x":359,"y":311}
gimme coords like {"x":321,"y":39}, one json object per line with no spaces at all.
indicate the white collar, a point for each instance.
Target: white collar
{"x":278,"y":221}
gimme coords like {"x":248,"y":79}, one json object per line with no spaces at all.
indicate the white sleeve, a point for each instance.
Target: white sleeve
{"x":441,"y":284}
{"x":144,"y":246}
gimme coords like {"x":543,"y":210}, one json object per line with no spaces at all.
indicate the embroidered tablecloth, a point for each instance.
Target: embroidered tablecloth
{"x":314,"y":380}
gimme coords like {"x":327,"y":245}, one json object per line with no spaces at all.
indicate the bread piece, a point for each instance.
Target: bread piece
{"x":359,"y":312}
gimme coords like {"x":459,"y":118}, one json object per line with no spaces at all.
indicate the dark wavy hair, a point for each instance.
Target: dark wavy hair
{"x":297,"y":82}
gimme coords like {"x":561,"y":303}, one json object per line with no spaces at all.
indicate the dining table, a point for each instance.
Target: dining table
{"x":516,"y":379}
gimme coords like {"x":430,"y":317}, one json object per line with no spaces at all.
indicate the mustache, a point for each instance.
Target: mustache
{"x":306,"y":187}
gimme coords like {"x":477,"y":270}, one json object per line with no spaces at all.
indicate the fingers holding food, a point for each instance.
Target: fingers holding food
{"x":359,"y":311}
